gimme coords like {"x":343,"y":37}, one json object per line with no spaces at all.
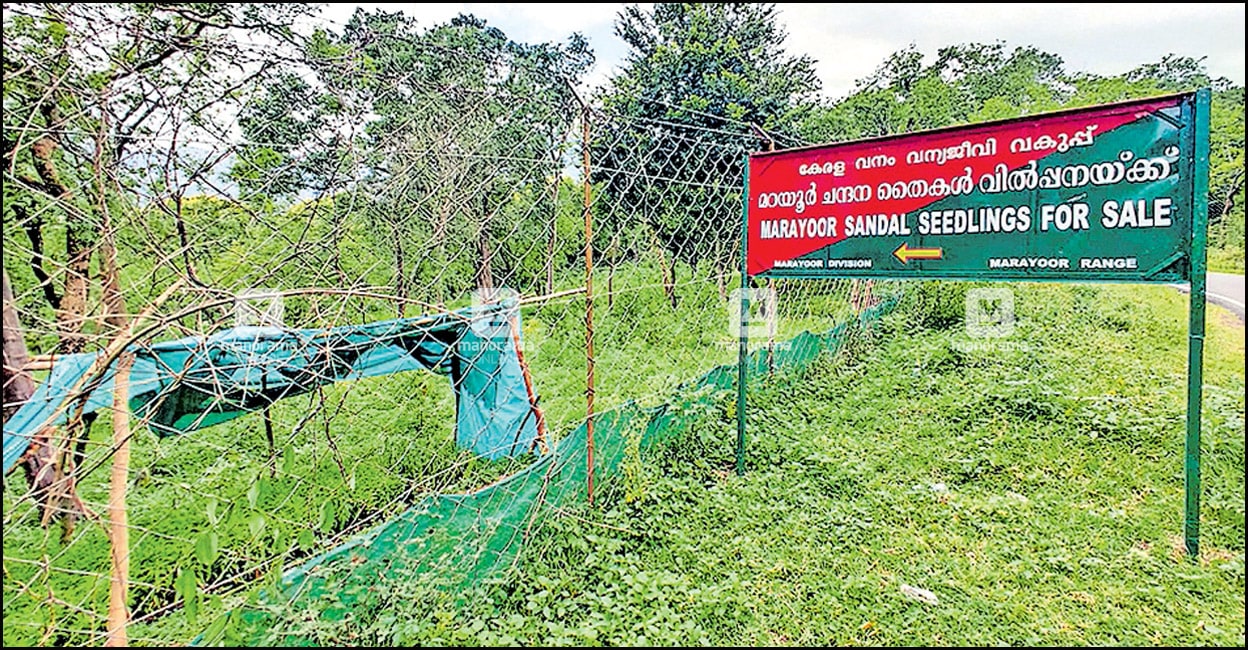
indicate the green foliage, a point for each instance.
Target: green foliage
{"x":222,"y":510}
{"x":459,"y":122}
{"x":431,"y":161}
{"x":277,"y":124}
{"x":1226,"y":260}
{"x":966,"y":83}
{"x":936,"y":305}
{"x":1226,"y":170}
{"x":977,"y":82}
{"x":92,"y":94}
{"x":703,"y":75}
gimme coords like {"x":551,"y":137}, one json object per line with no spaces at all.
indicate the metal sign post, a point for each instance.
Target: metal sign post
{"x":1196,"y":325}
{"x":743,"y":343}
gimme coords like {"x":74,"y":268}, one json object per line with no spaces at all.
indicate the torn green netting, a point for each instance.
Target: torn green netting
{"x":196,"y":382}
{"x":461,"y":540}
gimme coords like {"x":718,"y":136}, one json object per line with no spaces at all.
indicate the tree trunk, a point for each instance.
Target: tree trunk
{"x":399,"y":286}
{"x":669,"y":281}
{"x":33,"y":225}
{"x":18,"y":386}
{"x":439,"y":260}
{"x":49,"y":465}
{"x":72,"y":307}
{"x":485,"y":274}
{"x":552,"y":235}
{"x":721,"y":282}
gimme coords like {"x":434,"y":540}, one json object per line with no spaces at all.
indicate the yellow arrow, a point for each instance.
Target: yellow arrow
{"x":905,"y":253}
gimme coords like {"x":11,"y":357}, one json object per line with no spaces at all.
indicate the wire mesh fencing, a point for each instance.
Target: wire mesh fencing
{"x":298,"y":320}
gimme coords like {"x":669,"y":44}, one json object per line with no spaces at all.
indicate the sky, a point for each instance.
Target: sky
{"x":848,"y":41}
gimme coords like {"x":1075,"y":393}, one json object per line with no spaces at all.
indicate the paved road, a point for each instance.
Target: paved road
{"x":1225,"y":289}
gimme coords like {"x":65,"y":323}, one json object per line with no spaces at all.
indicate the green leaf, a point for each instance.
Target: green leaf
{"x":253,"y":493}
{"x":274,"y":578}
{"x":306,"y":539}
{"x":215,"y":632}
{"x":256,"y":524}
{"x":326,"y":523}
{"x":288,"y":460}
{"x":206,"y":547}
{"x":187,"y":588}
{"x":56,"y":33}
{"x":280,"y":541}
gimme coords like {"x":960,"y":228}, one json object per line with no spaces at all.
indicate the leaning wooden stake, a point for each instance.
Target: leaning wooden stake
{"x":540,"y":442}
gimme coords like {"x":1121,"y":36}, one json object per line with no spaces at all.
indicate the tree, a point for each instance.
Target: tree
{"x":1226,"y":170}
{"x":18,"y":385}
{"x":96,"y":98}
{"x":458,"y":121}
{"x":1174,"y":74}
{"x":698,"y":84}
{"x":92,"y":95}
{"x":966,"y":83}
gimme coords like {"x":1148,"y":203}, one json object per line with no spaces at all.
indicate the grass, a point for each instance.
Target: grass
{"x":1033,"y":485}
{"x":218,"y":510}
{"x":1226,"y":260}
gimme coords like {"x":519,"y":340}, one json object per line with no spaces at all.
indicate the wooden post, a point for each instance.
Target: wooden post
{"x":589,"y":312}
{"x":118,"y":530}
{"x":528,"y":386}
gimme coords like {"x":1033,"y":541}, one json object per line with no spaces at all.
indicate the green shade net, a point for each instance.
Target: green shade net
{"x":196,"y":382}
{"x":461,"y":540}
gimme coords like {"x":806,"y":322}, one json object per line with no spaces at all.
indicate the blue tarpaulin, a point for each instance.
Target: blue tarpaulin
{"x":196,"y":382}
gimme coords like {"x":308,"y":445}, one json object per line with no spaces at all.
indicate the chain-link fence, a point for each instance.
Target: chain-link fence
{"x":372,"y":321}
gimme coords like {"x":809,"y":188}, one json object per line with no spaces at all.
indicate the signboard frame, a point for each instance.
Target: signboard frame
{"x":1182,"y":260}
